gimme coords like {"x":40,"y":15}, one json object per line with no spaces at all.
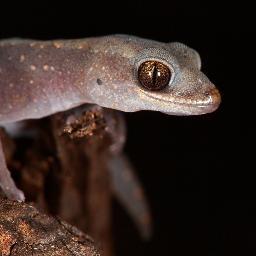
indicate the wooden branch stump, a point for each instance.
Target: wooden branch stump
{"x":25,"y":231}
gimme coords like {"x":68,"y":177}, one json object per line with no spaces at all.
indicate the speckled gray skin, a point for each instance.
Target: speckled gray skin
{"x":40,"y":78}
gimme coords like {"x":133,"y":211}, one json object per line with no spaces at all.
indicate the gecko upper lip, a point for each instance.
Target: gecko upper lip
{"x":209,"y":104}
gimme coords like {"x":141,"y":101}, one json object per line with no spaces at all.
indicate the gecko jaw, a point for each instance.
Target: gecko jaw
{"x":186,"y":106}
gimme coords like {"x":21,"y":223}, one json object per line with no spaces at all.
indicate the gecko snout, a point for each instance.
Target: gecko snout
{"x":212,"y":99}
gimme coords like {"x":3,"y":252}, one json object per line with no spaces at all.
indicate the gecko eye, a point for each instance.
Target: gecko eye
{"x":154,"y":75}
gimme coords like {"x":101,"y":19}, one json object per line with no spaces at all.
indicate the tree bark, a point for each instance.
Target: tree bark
{"x":25,"y":231}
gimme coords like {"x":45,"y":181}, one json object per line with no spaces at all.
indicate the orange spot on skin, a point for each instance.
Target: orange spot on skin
{"x":32,"y":67}
{"x":46,"y":67}
{"x":22,"y":58}
{"x":57,"y":45}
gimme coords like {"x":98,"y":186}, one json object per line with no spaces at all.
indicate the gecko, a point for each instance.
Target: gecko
{"x":121,"y":72}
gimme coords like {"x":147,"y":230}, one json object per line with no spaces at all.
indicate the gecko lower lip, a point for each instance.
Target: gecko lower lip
{"x":192,"y":109}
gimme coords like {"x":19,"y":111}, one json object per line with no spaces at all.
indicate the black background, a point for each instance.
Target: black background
{"x":201,"y":201}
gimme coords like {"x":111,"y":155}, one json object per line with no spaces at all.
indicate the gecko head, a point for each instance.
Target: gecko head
{"x":169,"y":80}
{"x":148,"y":75}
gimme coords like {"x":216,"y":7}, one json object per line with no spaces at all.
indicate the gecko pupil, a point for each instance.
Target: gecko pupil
{"x":154,"y":75}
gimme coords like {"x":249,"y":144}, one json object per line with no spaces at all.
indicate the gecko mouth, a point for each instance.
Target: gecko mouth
{"x":187,"y":106}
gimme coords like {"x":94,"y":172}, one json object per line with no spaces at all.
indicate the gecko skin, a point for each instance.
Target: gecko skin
{"x":126,"y":73}
{"x":39,"y":78}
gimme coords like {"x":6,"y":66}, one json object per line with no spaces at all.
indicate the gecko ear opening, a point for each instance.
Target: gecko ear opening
{"x":188,"y":55}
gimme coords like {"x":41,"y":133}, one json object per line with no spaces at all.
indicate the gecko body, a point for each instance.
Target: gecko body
{"x":40,"y":78}
{"x":121,"y":72}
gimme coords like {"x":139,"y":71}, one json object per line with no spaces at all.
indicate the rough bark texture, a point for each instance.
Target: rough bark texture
{"x":63,"y":171}
{"x":24,"y":231}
